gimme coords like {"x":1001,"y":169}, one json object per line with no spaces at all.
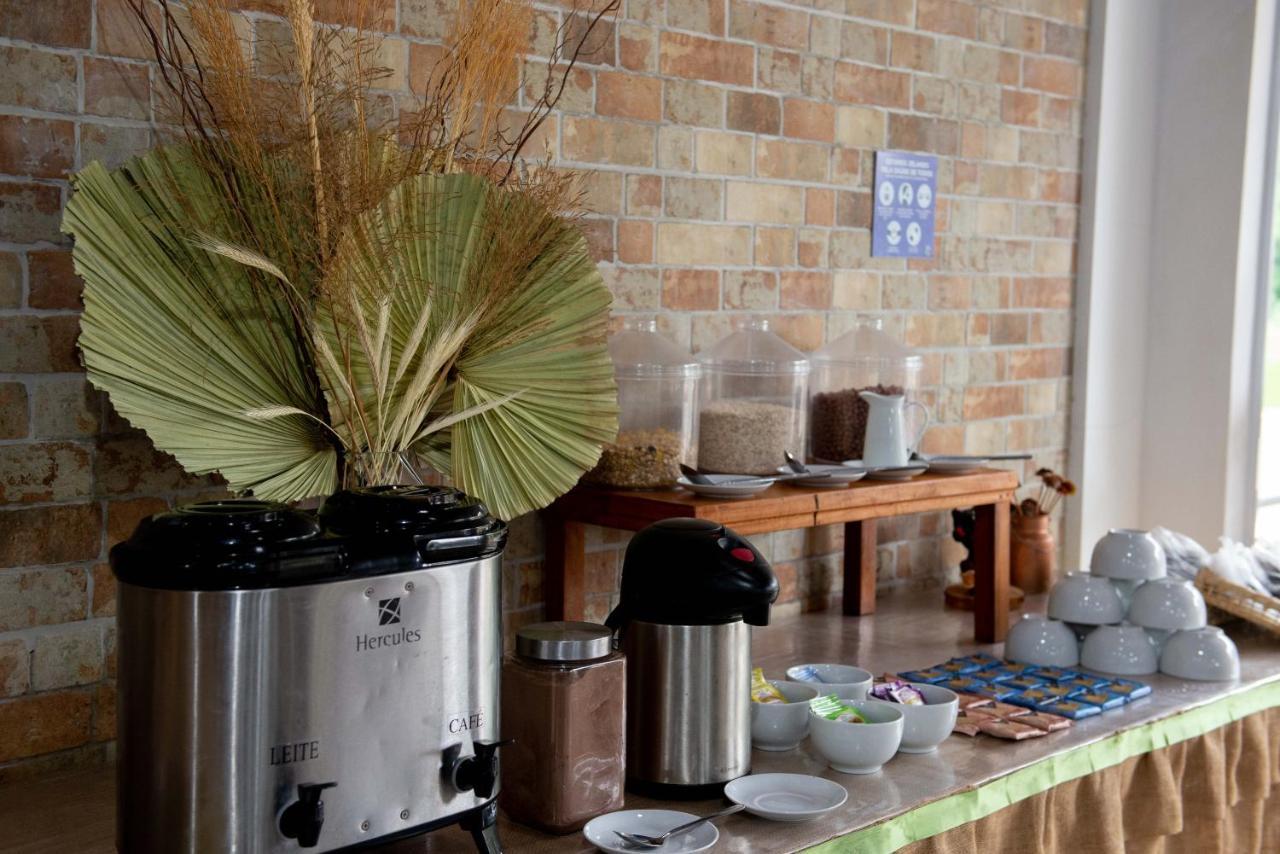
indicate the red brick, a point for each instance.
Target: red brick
{"x":604,"y":141}
{"x":1023,"y":32}
{"x":1060,"y":187}
{"x":422,"y":65}
{"x":949,"y":292}
{"x":104,"y":591}
{"x":913,"y":50}
{"x":635,"y":241}
{"x":599,"y":235}
{"x":772,"y":25}
{"x":36,"y":147}
{"x":819,"y":207}
{"x":804,"y":290}
{"x":46,"y":535}
{"x":891,"y":11}
{"x":116,"y":89}
{"x":945,"y":16}
{"x":50,"y":471}
{"x":637,"y":48}
{"x":698,"y":58}
{"x":1051,"y":75}
{"x":918,"y":133}
{"x":104,"y":711}
{"x":38,"y":344}
{"x":704,"y":16}
{"x":1020,"y":108}
{"x":644,"y":195}
{"x":597,"y":48}
{"x":1042,"y":293}
{"x":56,"y":23}
{"x":13,"y":411}
{"x":123,"y":516}
{"x":29,"y":213}
{"x":10,"y":281}
{"x":1037,"y":364}
{"x":809,"y":120}
{"x":1008,"y":329}
{"x":43,"y":723}
{"x":130,"y":464}
{"x":1064,"y":40}
{"x":629,"y":96}
{"x":602,"y":571}
{"x":374,"y":14}
{"x":853,"y":209}
{"x":798,"y":161}
{"x":862,"y":84}
{"x":691,"y":290}
{"x":53,"y":280}
{"x":753,"y":112}
{"x":992,"y":401}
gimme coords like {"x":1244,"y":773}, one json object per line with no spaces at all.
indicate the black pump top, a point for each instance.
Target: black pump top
{"x":694,"y":572}
{"x":251,"y":544}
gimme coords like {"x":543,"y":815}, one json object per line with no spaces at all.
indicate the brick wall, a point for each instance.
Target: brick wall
{"x":732,"y":143}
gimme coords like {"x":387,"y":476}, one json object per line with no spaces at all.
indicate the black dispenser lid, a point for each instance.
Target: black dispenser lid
{"x":694,"y":572}
{"x":219,"y":545}
{"x":443,"y":523}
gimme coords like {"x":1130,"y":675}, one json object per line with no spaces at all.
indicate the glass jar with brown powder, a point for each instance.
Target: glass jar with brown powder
{"x":563,"y":704}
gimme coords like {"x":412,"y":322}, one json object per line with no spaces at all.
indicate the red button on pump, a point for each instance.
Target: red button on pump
{"x":743,"y":554}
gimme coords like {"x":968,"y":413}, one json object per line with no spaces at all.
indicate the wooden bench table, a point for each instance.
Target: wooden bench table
{"x":784,"y":507}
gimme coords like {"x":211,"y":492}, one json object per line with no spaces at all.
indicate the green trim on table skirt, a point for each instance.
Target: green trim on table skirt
{"x":972,"y":804}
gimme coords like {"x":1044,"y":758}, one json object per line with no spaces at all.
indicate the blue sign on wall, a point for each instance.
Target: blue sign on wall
{"x":902,"y":220}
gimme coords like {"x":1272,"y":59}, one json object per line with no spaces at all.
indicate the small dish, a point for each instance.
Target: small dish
{"x":1168,"y":603}
{"x":844,"y":680}
{"x":925,"y":727}
{"x":786,"y":797}
{"x":892,"y":474}
{"x":600,"y":831}
{"x":718,"y":488}
{"x":1039,"y":640}
{"x":859,"y":748}
{"x":782,"y":726}
{"x":1087,"y":599}
{"x":956,"y":465}
{"x":835,"y":476}
{"x":1122,"y":650}
{"x":1205,"y":655}
{"x":1128,"y":553}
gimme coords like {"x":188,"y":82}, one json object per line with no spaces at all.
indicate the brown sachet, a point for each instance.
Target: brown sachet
{"x":966,"y":725}
{"x":1008,"y":710}
{"x":1011,"y":730}
{"x":1045,"y":721}
{"x":973,"y":701}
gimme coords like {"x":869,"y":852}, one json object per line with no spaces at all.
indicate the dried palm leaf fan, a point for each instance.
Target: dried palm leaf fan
{"x":293,"y":296}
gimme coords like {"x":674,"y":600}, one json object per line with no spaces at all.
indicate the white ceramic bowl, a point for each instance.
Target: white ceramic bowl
{"x":1122,"y":650}
{"x":782,"y":726}
{"x":1128,"y":553}
{"x":1205,"y":654}
{"x":1087,"y":599}
{"x":859,"y":748}
{"x":844,"y":680}
{"x":1036,"y":639}
{"x":1168,"y":603}
{"x":925,"y":727}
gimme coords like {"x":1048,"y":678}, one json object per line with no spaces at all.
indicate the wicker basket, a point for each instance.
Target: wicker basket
{"x":1256,"y":608}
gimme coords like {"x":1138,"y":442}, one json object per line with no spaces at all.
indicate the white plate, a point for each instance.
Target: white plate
{"x":891,"y":473}
{"x":956,"y":465}
{"x":725,"y":490}
{"x":600,"y":831}
{"x":839,"y":476}
{"x":786,"y":797}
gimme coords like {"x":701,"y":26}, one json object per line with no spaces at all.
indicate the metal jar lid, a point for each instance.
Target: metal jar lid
{"x":564,"y":641}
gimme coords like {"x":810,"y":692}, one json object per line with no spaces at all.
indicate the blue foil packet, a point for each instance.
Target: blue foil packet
{"x":1070,"y":709}
{"x":1085,"y":682}
{"x":962,"y":666}
{"x":1022,"y":683}
{"x":1018,"y":668}
{"x":965,"y":685}
{"x":1103,"y":699}
{"x":996,"y":691}
{"x":1130,"y":689}
{"x":984,"y":659}
{"x":931,"y":675}
{"x":995,"y":674}
{"x":1056,"y":674}
{"x":1031,"y":698}
{"x":1061,"y":691}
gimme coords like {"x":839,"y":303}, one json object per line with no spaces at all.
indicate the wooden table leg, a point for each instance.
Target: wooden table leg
{"x":860,"y":567}
{"x":564,"y":568}
{"x":991,"y":572}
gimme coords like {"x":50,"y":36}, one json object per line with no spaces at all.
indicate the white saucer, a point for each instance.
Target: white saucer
{"x":889,"y":473}
{"x":725,"y":490}
{"x":839,"y":476}
{"x":956,"y":465}
{"x":600,"y":831}
{"x":786,"y":797}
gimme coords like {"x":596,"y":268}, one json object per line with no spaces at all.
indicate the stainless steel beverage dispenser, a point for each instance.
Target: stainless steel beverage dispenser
{"x":691,"y":588}
{"x":291,"y":682}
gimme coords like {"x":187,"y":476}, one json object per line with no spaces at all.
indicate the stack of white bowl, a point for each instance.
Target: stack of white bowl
{"x":1126,"y":617}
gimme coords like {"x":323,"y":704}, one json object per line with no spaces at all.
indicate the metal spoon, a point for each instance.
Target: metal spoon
{"x":639,"y":840}
{"x":694,"y":475}
{"x":794,"y":464}
{"x":926,"y":458}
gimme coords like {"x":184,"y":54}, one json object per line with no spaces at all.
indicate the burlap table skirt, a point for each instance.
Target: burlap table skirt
{"x":1214,"y":793}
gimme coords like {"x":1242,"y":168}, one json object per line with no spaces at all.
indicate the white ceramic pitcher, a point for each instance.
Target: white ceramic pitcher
{"x":885,"y":443}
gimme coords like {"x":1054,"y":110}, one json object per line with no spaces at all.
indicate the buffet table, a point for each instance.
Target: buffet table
{"x":785,"y":507}
{"x":1195,"y":755}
